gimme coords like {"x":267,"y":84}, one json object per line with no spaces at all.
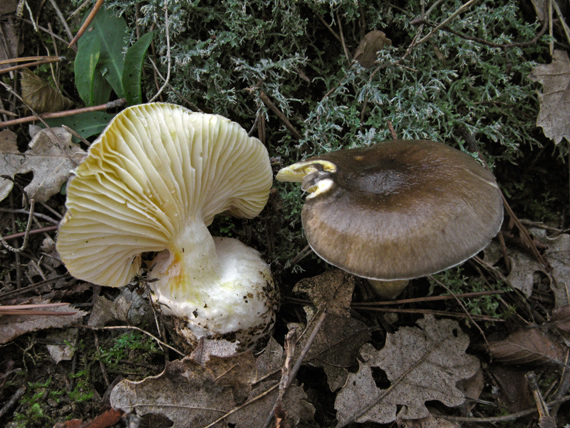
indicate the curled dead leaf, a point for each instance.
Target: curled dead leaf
{"x":331,"y":290}
{"x":372,"y":43}
{"x":40,"y":96}
{"x":528,"y":346}
{"x":555,"y":97}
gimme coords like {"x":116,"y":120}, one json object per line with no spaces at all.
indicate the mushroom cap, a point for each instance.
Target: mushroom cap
{"x":155,"y":168}
{"x":397,"y":210}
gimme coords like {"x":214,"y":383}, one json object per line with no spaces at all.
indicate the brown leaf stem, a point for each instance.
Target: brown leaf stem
{"x":110,"y":105}
{"x":267,"y":101}
{"x":87,"y":22}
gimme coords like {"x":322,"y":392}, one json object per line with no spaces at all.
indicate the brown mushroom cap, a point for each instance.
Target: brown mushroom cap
{"x":399,"y":209}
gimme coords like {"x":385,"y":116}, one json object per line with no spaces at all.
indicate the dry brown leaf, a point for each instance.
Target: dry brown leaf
{"x":527,"y":346}
{"x":14,"y":326}
{"x":472,"y":387}
{"x":193,"y":395}
{"x":45,"y":158}
{"x":511,"y":388}
{"x":40,"y":96}
{"x":294,"y":402}
{"x":421,"y":364}
{"x":335,"y":347}
{"x":561,"y":319}
{"x":68,"y":338}
{"x":331,"y":290}
{"x":525,"y":266}
{"x":555,"y":98}
{"x":8,"y":6}
{"x":186,"y":393}
{"x":128,"y":307}
{"x":429,"y":422}
{"x":372,"y":43}
{"x":558,"y":255}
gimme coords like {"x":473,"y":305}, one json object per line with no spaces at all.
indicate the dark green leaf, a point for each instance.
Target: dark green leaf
{"x":110,"y":31}
{"x":92,"y":87}
{"x":85,"y":124}
{"x":132,"y":72}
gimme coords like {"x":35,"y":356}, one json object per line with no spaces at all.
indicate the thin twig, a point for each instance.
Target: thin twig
{"x":26,"y":234}
{"x":462,"y":307}
{"x":172,"y":88}
{"x":503,"y":418}
{"x":13,"y":400}
{"x":449,"y":18}
{"x":82,"y":6}
{"x":427,"y":299}
{"x":31,"y":232}
{"x":23,"y":211}
{"x":87,"y":22}
{"x":47,"y":31}
{"x":253,"y":400}
{"x":101,"y":365}
{"x":36,"y":60}
{"x":433,"y":312}
{"x":348,"y":57}
{"x":110,"y":105}
{"x":76,"y":135}
{"x":293,"y":373}
{"x":486,"y":42}
{"x":61,"y":18}
{"x":32,"y":287}
{"x":328,"y":27}
{"x":267,"y":101}
{"x":167,"y":80}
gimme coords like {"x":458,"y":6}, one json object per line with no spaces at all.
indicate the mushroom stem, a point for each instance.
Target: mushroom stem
{"x":216,"y":285}
{"x":187,"y":265}
{"x":388,"y":290}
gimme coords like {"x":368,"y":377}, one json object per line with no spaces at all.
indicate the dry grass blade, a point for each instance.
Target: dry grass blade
{"x":33,"y":309}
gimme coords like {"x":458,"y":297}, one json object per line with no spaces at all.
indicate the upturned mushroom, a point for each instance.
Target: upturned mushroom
{"x":397,"y":210}
{"x":152,"y":183}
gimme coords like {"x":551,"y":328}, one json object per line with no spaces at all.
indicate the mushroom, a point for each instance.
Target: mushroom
{"x":397,"y":210}
{"x":153,"y":182}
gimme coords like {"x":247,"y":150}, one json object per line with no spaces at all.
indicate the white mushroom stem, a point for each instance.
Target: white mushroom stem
{"x":219,"y":285}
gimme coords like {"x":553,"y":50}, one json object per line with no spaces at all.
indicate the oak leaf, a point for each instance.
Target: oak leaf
{"x":420,"y":363}
{"x":51,"y":157}
{"x":555,"y":98}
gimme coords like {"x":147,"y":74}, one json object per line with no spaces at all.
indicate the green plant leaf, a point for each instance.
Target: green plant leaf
{"x":132,"y":71}
{"x":110,"y":31}
{"x":89,"y":49}
{"x":91,"y":85}
{"x":85,"y":124}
